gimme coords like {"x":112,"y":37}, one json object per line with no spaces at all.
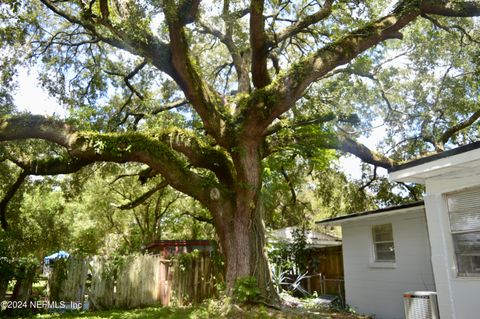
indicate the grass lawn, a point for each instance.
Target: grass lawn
{"x":205,"y":311}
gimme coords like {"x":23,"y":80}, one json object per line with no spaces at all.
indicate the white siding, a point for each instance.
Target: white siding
{"x":459,"y":298}
{"x":375,"y":290}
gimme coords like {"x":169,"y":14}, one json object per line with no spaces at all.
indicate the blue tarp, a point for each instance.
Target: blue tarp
{"x":59,"y":254}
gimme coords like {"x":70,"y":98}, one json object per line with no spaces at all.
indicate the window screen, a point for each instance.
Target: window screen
{"x":384,"y":249}
{"x":464,"y":214}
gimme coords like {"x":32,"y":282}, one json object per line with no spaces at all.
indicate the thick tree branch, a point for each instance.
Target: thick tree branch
{"x":8,"y":196}
{"x":267,"y":104}
{"x":197,"y":217}
{"x":156,"y":51}
{"x":353,"y":147}
{"x":199,"y":155}
{"x":35,"y":126}
{"x":237,"y":58}
{"x":24,"y":127}
{"x":173,"y":58}
{"x":290,"y":86}
{"x":450,"y":8}
{"x":52,"y":166}
{"x":119,"y":148}
{"x":188,"y":11}
{"x":258,"y":43}
{"x":104,"y":9}
{"x":338,"y":142}
{"x":317,"y":120}
{"x":142,"y":198}
{"x":460,"y":126}
{"x":204,"y":99}
{"x":304,"y":23}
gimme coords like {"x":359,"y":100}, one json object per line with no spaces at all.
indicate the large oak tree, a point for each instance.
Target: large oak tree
{"x":202,"y":92}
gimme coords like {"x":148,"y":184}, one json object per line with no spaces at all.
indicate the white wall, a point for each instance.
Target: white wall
{"x":377,"y":290}
{"x":458,"y":298}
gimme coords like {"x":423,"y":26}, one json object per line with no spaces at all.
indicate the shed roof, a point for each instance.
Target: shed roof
{"x":371,"y":213}
{"x":180,"y":245}
{"x":314,"y":239}
{"x":175,"y":243}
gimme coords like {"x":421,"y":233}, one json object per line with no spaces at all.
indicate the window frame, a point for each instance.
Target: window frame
{"x":375,"y":259}
{"x":459,"y":269}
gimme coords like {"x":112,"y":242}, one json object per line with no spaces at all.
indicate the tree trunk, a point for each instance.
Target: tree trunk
{"x":241,"y":230}
{"x":22,"y":291}
{"x":3,"y":287}
{"x":244,"y":250}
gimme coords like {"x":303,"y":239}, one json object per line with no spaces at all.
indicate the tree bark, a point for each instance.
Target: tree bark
{"x":243,"y":243}
{"x":243,"y":239}
{"x":3,"y":287}
{"x":22,"y":291}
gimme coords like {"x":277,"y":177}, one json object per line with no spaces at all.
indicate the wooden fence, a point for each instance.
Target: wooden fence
{"x":134,"y":281}
{"x":67,"y":281}
{"x":327,"y":275}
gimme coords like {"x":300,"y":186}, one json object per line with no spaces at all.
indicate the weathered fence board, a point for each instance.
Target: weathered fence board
{"x":67,"y":280}
{"x":101,"y":294}
{"x":196,"y":280}
{"x":138,"y":280}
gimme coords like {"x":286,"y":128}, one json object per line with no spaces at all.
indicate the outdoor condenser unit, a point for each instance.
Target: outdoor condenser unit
{"x":420,"y":305}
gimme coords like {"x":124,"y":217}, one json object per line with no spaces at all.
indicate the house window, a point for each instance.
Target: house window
{"x":464,"y":214}
{"x":384,"y":250}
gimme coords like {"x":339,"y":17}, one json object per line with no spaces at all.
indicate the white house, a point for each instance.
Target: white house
{"x":433,"y":246}
{"x":452,"y":204}
{"x":386,"y":252}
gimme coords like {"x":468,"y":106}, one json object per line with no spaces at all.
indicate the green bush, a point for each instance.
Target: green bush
{"x":246,"y":289}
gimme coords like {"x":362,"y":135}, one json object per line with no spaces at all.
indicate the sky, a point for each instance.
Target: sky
{"x":31,"y":97}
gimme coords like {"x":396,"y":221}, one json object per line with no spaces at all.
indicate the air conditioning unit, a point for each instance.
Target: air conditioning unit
{"x":420,"y":305}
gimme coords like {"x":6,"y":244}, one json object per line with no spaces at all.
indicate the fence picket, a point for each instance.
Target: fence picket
{"x":138,"y":281}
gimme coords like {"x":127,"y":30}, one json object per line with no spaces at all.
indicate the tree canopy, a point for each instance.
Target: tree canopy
{"x":202,"y":94}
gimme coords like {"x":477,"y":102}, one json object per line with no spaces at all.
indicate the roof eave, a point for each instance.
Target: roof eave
{"x":337,"y":221}
{"x":418,"y":171}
